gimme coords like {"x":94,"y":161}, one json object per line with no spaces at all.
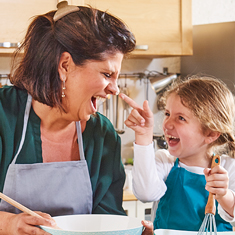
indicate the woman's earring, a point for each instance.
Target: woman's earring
{"x":63,"y":88}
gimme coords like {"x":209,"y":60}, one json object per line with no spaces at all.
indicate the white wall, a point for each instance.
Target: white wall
{"x":212,"y":11}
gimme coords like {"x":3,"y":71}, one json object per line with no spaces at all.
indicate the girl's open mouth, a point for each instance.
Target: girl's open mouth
{"x":172,"y":140}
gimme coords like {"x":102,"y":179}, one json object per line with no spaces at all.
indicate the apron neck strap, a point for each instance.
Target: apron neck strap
{"x":80,"y":142}
{"x":26,"y":117}
{"x":176,"y":162}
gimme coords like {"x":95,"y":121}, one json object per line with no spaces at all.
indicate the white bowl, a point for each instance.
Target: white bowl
{"x":96,"y":224}
{"x":179,"y":232}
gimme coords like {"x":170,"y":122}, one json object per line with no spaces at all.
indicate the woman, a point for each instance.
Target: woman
{"x":68,"y":63}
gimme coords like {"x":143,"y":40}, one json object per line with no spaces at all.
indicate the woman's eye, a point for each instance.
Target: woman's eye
{"x":107,"y":75}
{"x":181,"y":118}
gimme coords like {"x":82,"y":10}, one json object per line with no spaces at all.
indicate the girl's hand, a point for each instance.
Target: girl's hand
{"x":140,"y":120}
{"x":148,"y":227}
{"x":217,"y":181}
{"x":21,"y":224}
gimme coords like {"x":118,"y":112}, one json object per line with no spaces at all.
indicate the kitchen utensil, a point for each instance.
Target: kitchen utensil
{"x":208,"y":223}
{"x":125,"y":91}
{"x":180,"y":232}
{"x":119,"y":131}
{"x":160,"y":141}
{"x":20,"y":206}
{"x":161,"y":81}
{"x":95,"y":224}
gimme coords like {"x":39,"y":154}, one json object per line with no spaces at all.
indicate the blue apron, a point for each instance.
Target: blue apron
{"x":183,"y":205}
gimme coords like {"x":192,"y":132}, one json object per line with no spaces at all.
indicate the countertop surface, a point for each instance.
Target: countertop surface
{"x":128,"y":196}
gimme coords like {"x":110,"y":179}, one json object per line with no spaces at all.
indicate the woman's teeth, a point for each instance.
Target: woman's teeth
{"x":99,"y":98}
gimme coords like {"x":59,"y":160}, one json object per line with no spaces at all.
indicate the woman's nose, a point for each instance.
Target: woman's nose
{"x":112,"y":88}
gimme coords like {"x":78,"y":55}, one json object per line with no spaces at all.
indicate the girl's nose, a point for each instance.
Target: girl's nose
{"x":168,"y":124}
{"x":112,"y":88}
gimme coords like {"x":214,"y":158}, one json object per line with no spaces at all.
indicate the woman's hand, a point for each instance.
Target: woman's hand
{"x":140,"y":120}
{"x":217,"y":181}
{"x":21,"y":224}
{"x":148,"y":227}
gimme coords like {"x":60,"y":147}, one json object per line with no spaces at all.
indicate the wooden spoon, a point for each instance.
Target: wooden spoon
{"x":20,"y":206}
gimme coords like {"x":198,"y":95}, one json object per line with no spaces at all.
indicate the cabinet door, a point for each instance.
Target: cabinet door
{"x":130,"y":208}
{"x":16,"y":15}
{"x":143,"y":210}
{"x":164,"y":26}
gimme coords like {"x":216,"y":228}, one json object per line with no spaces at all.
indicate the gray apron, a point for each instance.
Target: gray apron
{"x":56,"y":188}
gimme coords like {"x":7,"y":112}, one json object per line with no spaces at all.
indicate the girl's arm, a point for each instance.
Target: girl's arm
{"x":148,"y":171}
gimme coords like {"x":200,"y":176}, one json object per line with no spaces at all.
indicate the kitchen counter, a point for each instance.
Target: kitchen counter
{"x":128,"y":196}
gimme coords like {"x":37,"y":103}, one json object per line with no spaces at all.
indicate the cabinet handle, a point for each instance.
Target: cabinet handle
{"x":9,"y":44}
{"x":141,"y":47}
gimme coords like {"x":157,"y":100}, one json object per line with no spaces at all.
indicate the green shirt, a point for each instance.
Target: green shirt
{"x":100,"y":141}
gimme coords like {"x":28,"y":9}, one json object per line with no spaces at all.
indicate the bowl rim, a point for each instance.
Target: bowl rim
{"x":95,"y":215}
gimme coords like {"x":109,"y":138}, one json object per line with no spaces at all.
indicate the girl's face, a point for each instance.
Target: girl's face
{"x":183,"y":133}
{"x":85,"y":84}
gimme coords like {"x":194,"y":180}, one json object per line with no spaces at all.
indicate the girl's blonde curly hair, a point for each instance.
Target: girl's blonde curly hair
{"x":213,"y":104}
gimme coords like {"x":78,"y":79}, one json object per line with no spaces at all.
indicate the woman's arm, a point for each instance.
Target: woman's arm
{"x":105,"y":165}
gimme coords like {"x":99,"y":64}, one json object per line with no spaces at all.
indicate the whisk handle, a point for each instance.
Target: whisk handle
{"x":210,"y":206}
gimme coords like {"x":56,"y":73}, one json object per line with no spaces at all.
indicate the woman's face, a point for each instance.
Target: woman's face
{"x":183,"y":132}
{"x":85,"y":84}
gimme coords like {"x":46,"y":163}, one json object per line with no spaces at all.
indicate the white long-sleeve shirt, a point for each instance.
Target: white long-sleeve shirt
{"x":151,"y":169}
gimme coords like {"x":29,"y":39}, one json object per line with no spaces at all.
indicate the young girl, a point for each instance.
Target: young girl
{"x":199,"y":115}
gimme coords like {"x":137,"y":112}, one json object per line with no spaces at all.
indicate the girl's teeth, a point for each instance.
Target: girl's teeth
{"x":172,"y":137}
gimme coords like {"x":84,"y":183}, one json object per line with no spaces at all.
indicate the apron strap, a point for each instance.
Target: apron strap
{"x":176,"y":162}
{"x":80,"y":142}
{"x":26,"y":117}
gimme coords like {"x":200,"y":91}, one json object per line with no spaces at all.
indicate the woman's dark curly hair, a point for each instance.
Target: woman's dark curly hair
{"x":88,"y":34}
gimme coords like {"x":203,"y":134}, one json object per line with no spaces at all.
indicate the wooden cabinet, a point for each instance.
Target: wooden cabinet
{"x":164,"y":27}
{"x":15,"y":18}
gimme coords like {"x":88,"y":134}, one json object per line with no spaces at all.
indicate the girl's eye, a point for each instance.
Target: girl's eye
{"x":181,"y":118}
{"x":167,"y":114}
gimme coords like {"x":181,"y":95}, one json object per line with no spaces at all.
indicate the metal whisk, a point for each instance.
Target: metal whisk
{"x":209,"y":224}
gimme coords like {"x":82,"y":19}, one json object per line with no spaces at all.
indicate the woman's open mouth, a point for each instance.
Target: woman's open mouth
{"x":94,"y":103}
{"x":94,"y":100}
